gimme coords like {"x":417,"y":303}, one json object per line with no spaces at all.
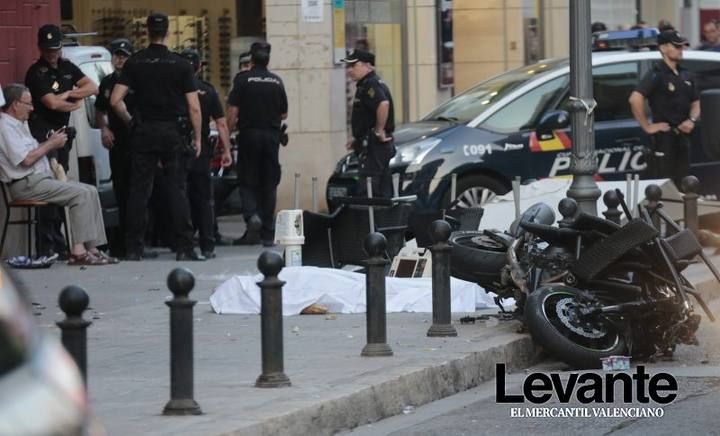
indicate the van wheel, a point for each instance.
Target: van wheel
{"x":475,"y":190}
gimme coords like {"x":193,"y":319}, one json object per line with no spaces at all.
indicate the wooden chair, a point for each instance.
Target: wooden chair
{"x":31,"y":208}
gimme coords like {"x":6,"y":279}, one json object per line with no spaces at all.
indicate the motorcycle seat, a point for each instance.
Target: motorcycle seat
{"x":562,"y":237}
{"x":587,"y":222}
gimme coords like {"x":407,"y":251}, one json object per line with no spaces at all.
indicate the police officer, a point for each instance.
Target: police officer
{"x":372,"y":123}
{"x":224,"y":190}
{"x":675,"y":105}
{"x":166,"y":101}
{"x":257,"y":104}
{"x":116,"y":136}
{"x":200,"y":188}
{"x":58,"y":87}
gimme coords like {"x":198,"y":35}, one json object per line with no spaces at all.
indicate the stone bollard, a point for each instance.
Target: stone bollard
{"x":653,"y":193}
{"x":568,"y":208}
{"x":73,"y":301}
{"x":180,"y":281}
{"x":271,"y":322}
{"x":611,"y":200}
{"x":375,"y":319}
{"x":441,"y":326}
{"x":691,"y":186}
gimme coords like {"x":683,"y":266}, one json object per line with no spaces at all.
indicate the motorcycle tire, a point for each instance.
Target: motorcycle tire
{"x":551,"y":322}
{"x":475,"y":257}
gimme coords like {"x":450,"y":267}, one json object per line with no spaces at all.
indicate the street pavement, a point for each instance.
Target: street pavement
{"x":476,"y":412}
{"x":333,"y":387}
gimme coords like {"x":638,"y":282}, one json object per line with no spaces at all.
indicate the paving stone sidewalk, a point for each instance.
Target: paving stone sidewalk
{"x":332,"y":386}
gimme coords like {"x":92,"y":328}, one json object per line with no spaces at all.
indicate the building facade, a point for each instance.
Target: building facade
{"x":427,"y":50}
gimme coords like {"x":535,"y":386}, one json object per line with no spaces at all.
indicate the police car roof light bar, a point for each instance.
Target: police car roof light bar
{"x":637,"y":39}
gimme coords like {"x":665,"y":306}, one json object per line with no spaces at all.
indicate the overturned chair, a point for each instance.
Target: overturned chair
{"x":334,"y":240}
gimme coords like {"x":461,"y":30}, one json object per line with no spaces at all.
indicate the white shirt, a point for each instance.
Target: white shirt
{"x":15,"y":144}
{"x":2,"y":97}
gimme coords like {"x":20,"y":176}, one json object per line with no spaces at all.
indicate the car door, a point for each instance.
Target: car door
{"x":706,"y":169}
{"x":515,"y":150}
{"x":619,"y":140}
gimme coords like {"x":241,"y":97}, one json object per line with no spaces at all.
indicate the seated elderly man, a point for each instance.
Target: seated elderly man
{"x":24,"y":167}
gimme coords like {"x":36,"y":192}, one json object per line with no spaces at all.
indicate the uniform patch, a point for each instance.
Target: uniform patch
{"x":671,"y":87}
{"x":107,"y":93}
{"x":371,"y":92}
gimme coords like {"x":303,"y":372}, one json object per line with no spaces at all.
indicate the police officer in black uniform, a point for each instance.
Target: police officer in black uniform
{"x":675,"y":105}
{"x":167,"y":110}
{"x":58,"y":87}
{"x":372,"y":123}
{"x":116,"y":137}
{"x":259,"y":104}
{"x":200,"y":188}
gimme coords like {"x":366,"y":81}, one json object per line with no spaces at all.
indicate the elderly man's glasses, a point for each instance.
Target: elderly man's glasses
{"x":26,"y":103}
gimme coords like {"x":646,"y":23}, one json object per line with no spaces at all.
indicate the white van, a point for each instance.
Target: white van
{"x":89,"y":160}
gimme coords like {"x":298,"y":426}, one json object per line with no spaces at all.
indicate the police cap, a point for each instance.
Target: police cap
{"x":672,"y":37}
{"x":50,"y":37}
{"x":121,"y":45}
{"x":260,"y":46}
{"x":359,"y":56}
{"x":192,"y":56}
{"x":157,"y":21}
{"x":244,"y":58}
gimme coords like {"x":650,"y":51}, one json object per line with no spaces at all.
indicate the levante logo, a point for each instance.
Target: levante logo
{"x":589,"y":389}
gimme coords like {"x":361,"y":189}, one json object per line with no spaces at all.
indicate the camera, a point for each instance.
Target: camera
{"x":71,"y":133}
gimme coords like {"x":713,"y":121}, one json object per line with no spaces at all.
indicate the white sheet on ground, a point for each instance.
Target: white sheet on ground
{"x":342,"y":292}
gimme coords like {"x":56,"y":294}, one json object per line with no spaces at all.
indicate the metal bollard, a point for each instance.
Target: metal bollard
{"x":453,"y":187}
{"x":180,"y":281}
{"x":653,"y":193}
{"x":73,"y":301}
{"x":611,"y":200}
{"x":441,"y":326}
{"x":271,"y":322}
{"x":314,"y":194}
{"x":568,"y":208}
{"x":296,"y":193}
{"x":371,"y":211}
{"x":375,"y":317}
{"x":691,"y":186}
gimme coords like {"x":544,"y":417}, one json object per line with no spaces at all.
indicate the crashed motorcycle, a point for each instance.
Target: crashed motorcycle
{"x":591,"y":288}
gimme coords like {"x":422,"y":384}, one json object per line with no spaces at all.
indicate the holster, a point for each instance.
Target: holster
{"x":186,"y":131}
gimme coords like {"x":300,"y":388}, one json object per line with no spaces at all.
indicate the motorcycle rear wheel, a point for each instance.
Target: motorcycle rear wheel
{"x":552,"y":319}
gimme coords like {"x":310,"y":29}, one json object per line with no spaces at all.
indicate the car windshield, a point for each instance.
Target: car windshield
{"x":96,"y":71}
{"x":468,"y":105}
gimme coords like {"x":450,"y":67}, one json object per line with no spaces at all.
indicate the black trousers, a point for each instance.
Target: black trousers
{"x":259,"y":174}
{"x":375,"y":163}
{"x":120,"y":175}
{"x":157,"y":143}
{"x":669,"y":156}
{"x":202,"y":202}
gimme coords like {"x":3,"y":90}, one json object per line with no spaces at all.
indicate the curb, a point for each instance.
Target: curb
{"x":375,"y":402}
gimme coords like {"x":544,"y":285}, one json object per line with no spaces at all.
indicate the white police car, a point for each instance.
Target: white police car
{"x":516,"y":124}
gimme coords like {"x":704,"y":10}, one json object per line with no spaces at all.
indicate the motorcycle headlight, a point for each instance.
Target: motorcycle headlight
{"x":414,"y":154}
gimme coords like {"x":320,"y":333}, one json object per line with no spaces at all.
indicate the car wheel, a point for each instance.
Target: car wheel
{"x":475,"y":191}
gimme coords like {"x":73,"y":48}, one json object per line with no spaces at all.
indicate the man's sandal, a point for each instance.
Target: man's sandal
{"x":110,"y":259}
{"x":86,"y":259}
